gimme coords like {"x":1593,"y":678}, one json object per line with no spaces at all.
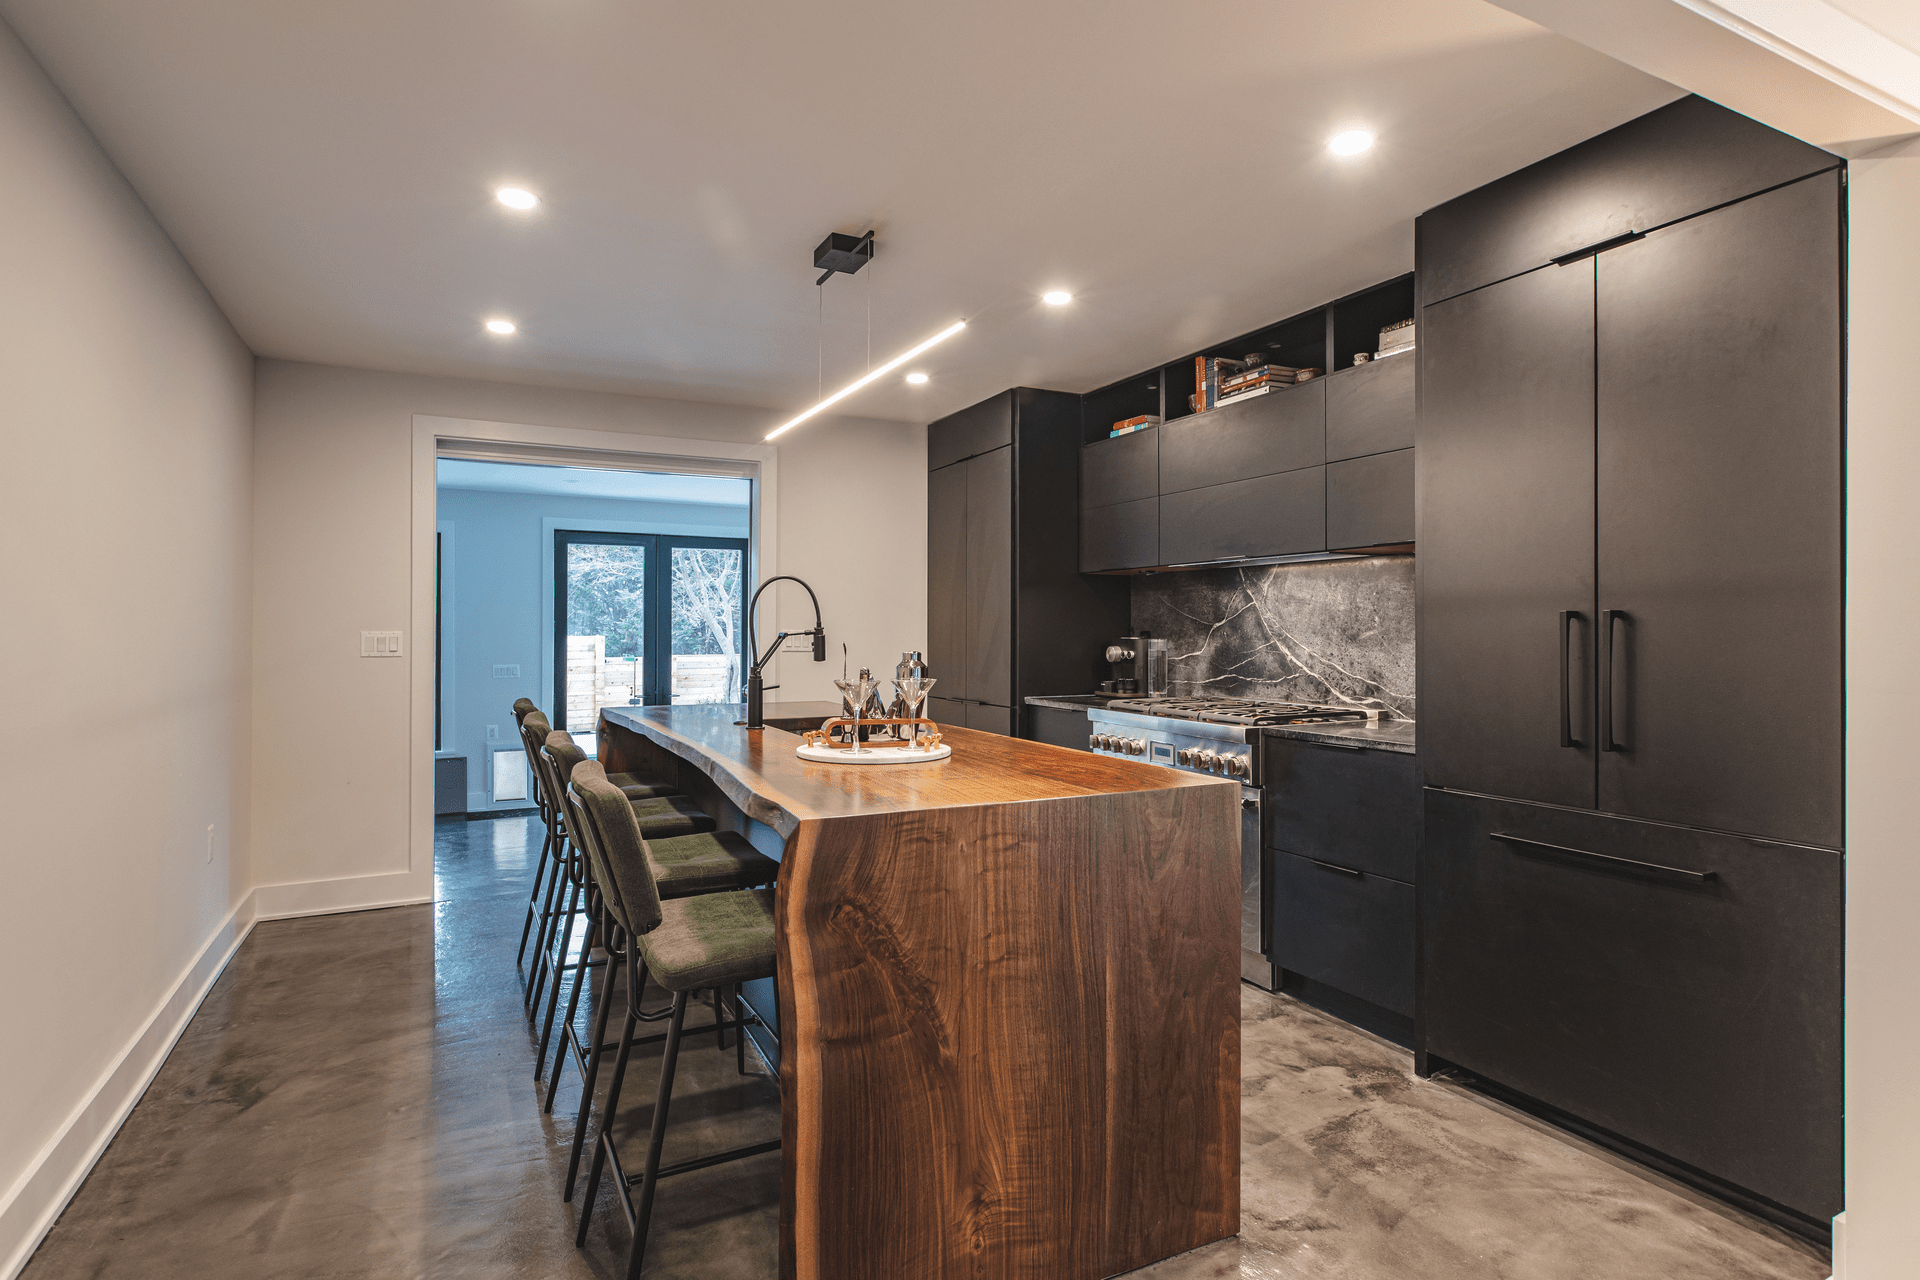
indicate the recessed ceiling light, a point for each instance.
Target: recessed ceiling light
{"x":516,"y":198}
{"x":501,"y":327}
{"x":1350,"y":143}
{"x":1056,"y":298}
{"x":917,"y":379}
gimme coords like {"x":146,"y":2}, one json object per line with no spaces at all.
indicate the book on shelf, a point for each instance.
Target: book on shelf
{"x":1261,"y":374}
{"x":1394,"y":350}
{"x":1304,"y":374}
{"x":1140,"y":423}
{"x":1395,"y":335}
{"x":1247,"y":393}
{"x":1207,"y":372}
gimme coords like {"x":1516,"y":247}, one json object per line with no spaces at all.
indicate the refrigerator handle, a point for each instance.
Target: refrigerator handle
{"x":1567,"y":617}
{"x":1608,"y":685}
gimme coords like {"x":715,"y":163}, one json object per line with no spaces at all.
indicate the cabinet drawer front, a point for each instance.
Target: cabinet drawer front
{"x":1280,"y":431}
{"x":1361,"y":809}
{"x":1352,"y":932}
{"x":1686,"y":157}
{"x":979,"y":428}
{"x":1700,"y":1018}
{"x":947,"y":711}
{"x":1123,"y":536}
{"x":1267,"y":516}
{"x":1059,"y":727}
{"x":1122,"y":469}
{"x":990,"y":718}
{"x":1370,"y":408}
{"x":1370,"y":500}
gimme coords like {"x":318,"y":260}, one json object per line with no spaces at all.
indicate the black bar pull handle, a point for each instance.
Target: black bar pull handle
{"x":1699,"y":877}
{"x":1608,"y":717}
{"x":1567,"y":617}
{"x":1334,"y":866}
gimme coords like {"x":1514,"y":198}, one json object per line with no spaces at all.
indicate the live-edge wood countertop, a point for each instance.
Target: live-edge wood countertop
{"x":759,"y":771}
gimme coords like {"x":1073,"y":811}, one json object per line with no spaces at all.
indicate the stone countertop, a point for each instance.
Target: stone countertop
{"x":1383,"y":735}
{"x":1075,"y":701}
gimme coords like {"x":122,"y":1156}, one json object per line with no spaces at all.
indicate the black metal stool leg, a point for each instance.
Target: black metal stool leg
{"x":740,"y":1041}
{"x":719,"y":1021}
{"x":582,"y":969}
{"x":606,"y":1126}
{"x":634,"y":974}
{"x":554,"y":967}
{"x":643,"y":1212}
{"x":533,"y":898}
{"x":544,"y":940}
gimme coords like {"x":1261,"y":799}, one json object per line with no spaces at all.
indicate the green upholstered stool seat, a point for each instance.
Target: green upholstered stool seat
{"x":642,"y":786}
{"x":714,"y":940}
{"x":667,"y":816}
{"x":712,"y":862}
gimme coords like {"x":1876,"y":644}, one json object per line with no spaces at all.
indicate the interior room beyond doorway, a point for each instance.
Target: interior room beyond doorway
{"x":578,"y":588}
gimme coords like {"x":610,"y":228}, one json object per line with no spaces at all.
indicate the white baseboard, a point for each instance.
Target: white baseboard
{"x":29,"y":1208}
{"x":1839,"y":1247}
{"x":349,"y":893}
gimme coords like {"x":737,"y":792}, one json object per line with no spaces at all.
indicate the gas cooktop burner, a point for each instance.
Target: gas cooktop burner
{"x":1240,"y":710}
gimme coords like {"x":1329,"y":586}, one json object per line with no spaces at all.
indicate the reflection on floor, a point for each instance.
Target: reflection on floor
{"x":356,"y":1098}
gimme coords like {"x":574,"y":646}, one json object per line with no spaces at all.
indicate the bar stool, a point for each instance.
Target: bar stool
{"x":661,"y":817}
{"x":683,"y":867}
{"x":713,"y":940}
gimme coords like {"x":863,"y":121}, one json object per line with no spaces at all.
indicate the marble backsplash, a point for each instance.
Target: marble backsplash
{"x":1338,"y":632}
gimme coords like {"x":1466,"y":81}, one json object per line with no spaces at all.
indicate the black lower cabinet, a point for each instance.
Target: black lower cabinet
{"x":991,"y":718}
{"x":947,"y":711}
{"x":1058,"y":726}
{"x":1349,"y":929}
{"x":1677,"y":988}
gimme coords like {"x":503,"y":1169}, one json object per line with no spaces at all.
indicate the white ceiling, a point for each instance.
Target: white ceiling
{"x":327,"y":169}
{"x":591,"y":482}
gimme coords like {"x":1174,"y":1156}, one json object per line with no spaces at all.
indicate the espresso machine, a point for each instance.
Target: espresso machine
{"x":1139,"y":665}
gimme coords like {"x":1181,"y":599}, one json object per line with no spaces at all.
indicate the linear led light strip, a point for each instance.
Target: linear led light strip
{"x":882,"y":371}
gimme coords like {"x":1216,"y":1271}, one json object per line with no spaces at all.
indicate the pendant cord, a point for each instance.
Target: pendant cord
{"x":819,"y":343}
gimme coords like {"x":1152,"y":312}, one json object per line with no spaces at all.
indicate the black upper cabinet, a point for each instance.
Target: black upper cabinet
{"x":1370,"y":501}
{"x":1719,"y":483}
{"x":1009,"y":613}
{"x":1687,"y":157}
{"x":1284,"y":514}
{"x":1370,"y":409}
{"x":1125,"y":535}
{"x":983,"y":427}
{"x":1506,"y":539}
{"x":1280,"y":431}
{"x":1123,"y":469}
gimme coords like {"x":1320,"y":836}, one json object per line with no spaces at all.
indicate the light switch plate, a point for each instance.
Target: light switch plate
{"x":503,"y":671}
{"x":798,"y":644}
{"x":493,"y":733}
{"x":380,"y":644}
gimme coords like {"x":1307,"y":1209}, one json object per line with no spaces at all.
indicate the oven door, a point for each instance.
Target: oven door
{"x":1256,"y":912}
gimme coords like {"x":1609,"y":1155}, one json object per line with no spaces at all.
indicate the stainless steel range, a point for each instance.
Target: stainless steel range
{"x":1217,"y":735}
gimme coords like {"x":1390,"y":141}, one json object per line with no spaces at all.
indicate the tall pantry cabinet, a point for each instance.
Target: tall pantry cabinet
{"x":1630,"y":645}
{"x":1009,"y":614}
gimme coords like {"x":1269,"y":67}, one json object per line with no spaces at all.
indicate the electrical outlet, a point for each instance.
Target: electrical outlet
{"x":493,"y":733}
{"x":209,"y":844}
{"x":502,"y":671}
{"x":798,"y":644}
{"x":379,"y":644}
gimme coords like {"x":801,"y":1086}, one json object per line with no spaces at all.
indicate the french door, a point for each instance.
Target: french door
{"x":645,"y":619}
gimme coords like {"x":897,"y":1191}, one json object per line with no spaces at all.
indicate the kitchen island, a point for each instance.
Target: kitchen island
{"x":1008,"y":996}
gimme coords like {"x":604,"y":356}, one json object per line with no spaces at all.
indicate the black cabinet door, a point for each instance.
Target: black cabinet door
{"x":947,"y":711}
{"x":1685,"y":157}
{"x":989,"y":718}
{"x":947,"y":577}
{"x":1719,"y":519}
{"x":1370,"y":500}
{"x":1505,"y":530}
{"x":1277,"y":515}
{"x":979,"y":428}
{"x":1357,"y":808}
{"x":1370,"y":408}
{"x":1122,"y":469}
{"x":1123,"y":536}
{"x":1059,"y":727}
{"x":1348,"y":929}
{"x":1701,"y":1018}
{"x":990,"y":577}
{"x":1281,"y":431}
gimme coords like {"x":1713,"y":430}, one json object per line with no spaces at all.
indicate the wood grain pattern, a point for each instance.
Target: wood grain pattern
{"x":1009,"y":1005}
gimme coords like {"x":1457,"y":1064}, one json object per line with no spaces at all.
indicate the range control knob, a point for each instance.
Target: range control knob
{"x":1203,"y":759}
{"x":1240,"y":767}
{"x":1137,"y":746}
{"x":1093,"y":742}
{"x":1183,"y":756}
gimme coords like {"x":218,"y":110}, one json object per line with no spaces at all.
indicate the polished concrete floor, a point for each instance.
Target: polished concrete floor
{"x":356,"y":1099}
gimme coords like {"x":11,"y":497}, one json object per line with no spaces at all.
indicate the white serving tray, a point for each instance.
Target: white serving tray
{"x":872,"y":755}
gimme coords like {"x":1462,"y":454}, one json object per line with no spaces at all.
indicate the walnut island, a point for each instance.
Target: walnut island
{"x":1008,"y":996}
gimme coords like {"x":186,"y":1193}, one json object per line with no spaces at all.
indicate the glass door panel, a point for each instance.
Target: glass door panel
{"x":600,"y":645}
{"x":706,"y":603}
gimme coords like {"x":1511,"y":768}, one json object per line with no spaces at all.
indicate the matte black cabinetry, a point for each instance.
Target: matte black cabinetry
{"x":1276,"y":515}
{"x":1370,"y":409}
{"x":1008,"y":612}
{"x":1681,"y":990}
{"x":1343,"y":826}
{"x":1282,"y":431}
{"x":1630,"y":506}
{"x":1370,"y":501}
{"x":1058,"y":726}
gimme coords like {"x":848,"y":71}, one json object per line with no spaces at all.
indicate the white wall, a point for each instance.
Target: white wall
{"x":332,"y":557}
{"x":501,"y":611}
{"x":1881,"y":1239}
{"x":125,"y":418}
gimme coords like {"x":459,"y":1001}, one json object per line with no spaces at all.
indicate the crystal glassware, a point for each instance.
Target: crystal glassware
{"x":857,"y":691}
{"x":913,"y":691}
